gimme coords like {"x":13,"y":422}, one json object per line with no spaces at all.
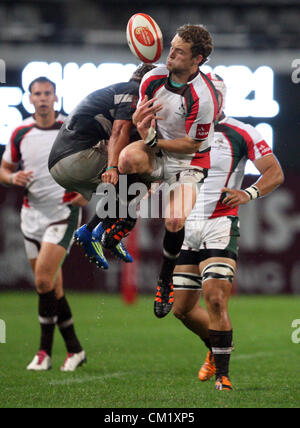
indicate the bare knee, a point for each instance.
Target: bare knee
{"x":131,"y":162}
{"x":43,"y":283}
{"x":180,"y":312}
{"x":216,"y":301}
{"x":174,"y":224}
{"x":126,"y":164}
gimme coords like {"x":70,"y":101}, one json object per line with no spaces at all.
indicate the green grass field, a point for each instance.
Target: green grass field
{"x":138,"y":361}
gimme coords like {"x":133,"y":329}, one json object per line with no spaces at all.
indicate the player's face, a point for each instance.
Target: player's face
{"x":180,"y":57}
{"x":43,"y":98}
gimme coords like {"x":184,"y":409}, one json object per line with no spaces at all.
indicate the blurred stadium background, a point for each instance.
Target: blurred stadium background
{"x":82,"y":46}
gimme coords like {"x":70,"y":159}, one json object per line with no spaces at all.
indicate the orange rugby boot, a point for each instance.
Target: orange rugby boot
{"x":208,"y":369}
{"x":223,"y":384}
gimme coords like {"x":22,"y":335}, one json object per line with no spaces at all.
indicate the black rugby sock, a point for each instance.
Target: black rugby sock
{"x":47,"y":318}
{"x":221,"y":343}
{"x":65,"y":324}
{"x":207,"y":343}
{"x":172,"y":245}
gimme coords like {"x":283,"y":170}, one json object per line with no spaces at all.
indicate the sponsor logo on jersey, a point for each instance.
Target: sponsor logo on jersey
{"x":203,"y":131}
{"x":263,"y":148}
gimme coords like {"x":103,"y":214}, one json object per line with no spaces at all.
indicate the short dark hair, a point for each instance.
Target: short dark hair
{"x":200,"y":38}
{"x":141,"y":71}
{"x":42,"y":79}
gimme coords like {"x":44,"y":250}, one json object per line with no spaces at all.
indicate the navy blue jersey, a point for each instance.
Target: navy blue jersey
{"x":92,"y":120}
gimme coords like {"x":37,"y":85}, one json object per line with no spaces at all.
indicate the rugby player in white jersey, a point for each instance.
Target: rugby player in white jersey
{"x":174,"y":149}
{"x":208,"y":257}
{"x":49,"y":217}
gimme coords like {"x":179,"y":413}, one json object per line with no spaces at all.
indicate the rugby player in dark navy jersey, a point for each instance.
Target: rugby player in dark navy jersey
{"x":81,"y":157}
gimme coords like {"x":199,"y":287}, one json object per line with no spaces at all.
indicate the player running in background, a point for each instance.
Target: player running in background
{"x":80,"y":158}
{"x":208,"y":257}
{"x":49,"y":218}
{"x":178,"y":150}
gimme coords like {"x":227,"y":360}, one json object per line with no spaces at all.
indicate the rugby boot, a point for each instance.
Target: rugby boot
{"x":208,"y":370}
{"x":73,"y":361}
{"x":91,"y":246}
{"x":120,"y":251}
{"x":40,"y":362}
{"x":116,"y":232}
{"x":164,"y":298}
{"x":223,"y":384}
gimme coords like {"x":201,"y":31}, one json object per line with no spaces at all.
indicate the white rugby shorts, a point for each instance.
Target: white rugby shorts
{"x":218,"y":233}
{"x":172,"y":170}
{"x":55,"y":226}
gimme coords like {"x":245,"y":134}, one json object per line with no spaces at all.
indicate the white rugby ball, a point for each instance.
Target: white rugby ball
{"x":144,"y":38}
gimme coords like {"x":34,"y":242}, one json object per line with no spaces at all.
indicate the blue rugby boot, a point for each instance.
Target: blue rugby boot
{"x":119,"y":251}
{"x":122,"y":253}
{"x":91,"y":246}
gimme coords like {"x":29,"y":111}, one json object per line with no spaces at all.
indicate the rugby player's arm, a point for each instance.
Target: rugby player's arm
{"x":8,"y":174}
{"x":271,"y":177}
{"x":120,"y":138}
{"x":271,"y":174}
{"x":185,"y":145}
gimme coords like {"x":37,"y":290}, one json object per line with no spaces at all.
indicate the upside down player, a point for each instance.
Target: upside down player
{"x":209,"y":254}
{"x":80,"y":159}
{"x":180,"y":151}
{"x":49,"y":218}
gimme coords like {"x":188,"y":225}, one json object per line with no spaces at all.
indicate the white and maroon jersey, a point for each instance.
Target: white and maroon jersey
{"x":234,"y":143}
{"x":187,"y":111}
{"x":30,"y":147}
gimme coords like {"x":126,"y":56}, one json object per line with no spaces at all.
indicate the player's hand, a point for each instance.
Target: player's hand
{"x":110,"y":176}
{"x":235,"y":197}
{"x":146,"y":108}
{"x":22,"y":178}
{"x":144,"y":126}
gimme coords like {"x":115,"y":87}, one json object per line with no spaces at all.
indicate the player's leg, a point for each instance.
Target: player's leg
{"x":181,"y":203}
{"x":59,"y":238}
{"x":217,"y":276}
{"x":136,"y":163}
{"x":47,"y":266}
{"x":80,"y":172}
{"x":75,"y":354}
{"x":136,"y":158}
{"x":42,"y":360}
{"x":187,"y":289}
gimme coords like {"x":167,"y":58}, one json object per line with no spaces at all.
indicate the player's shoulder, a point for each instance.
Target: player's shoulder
{"x":25,"y":126}
{"x":130,"y":87}
{"x":242,"y":128}
{"x":157,"y":73}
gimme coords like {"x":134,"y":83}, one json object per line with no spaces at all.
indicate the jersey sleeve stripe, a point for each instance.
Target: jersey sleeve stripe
{"x":247,"y":138}
{"x":213,"y":93}
{"x":222,"y":209}
{"x":16,"y":139}
{"x":194,"y":111}
{"x":151,"y":85}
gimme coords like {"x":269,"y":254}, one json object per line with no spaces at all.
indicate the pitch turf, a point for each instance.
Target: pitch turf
{"x":138,"y":361}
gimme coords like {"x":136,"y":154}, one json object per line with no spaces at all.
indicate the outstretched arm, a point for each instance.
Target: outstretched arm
{"x":271,"y":177}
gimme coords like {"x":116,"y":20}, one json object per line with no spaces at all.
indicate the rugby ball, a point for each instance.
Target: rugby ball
{"x":144,"y":38}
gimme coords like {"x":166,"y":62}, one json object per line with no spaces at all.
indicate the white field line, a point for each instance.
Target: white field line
{"x":85,"y":379}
